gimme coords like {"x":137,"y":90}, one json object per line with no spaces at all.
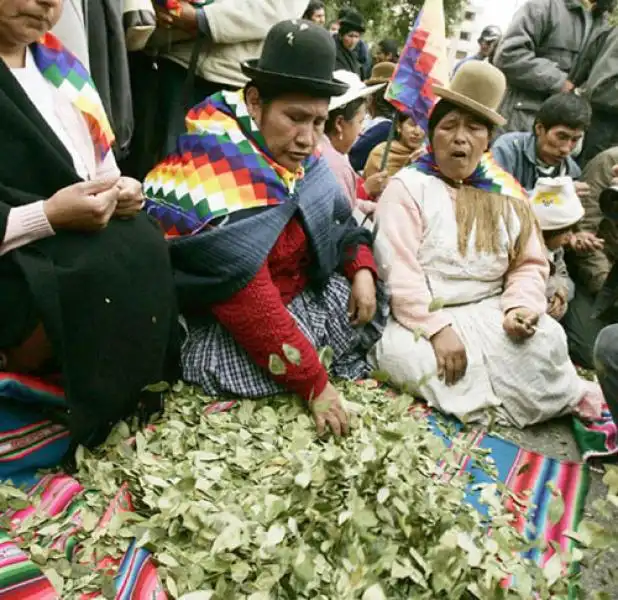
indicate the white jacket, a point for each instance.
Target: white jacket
{"x":238,"y":29}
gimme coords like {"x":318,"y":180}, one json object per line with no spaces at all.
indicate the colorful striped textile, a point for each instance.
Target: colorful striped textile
{"x":423,"y":63}
{"x":72,"y":79}
{"x":531,"y":478}
{"x":488,"y":176}
{"x":221,"y":166}
{"x":597,"y":439}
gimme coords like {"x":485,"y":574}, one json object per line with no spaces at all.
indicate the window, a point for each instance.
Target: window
{"x":460,"y":54}
{"x":464,"y":36}
{"x":469,"y":16}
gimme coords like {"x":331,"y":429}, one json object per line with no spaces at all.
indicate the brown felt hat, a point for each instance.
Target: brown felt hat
{"x":477,"y":87}
{"x":381,"y":73}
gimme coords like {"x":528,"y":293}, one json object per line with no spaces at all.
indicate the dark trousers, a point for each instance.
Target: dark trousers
{"x":601,"y":135}
{"x":158,"y":86}
{"x":606,"y":362}
{"x":582,"y":328}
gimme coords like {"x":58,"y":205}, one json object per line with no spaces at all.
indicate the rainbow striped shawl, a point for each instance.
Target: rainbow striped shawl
{"x":488,"y":176}
{"x":71,"y":78}
{"x":221,"y":166}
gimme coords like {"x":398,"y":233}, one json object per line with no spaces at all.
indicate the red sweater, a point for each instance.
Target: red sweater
{"x":259,"y":321}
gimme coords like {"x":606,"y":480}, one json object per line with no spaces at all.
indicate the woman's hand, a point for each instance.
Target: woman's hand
{"x":582,"y":189}
{"x":130,"y":198}
{"x":362,"y":304}
{"x":186,"y":20}
{"x":450,"y":355}
{"x":584,"y":242}
{"x":85,"y":206}
{"x":328,"y":410}
{"x":375,"y":184}
{"x":520,"y":323}
{"x":557,"y":306}
{"x":414,"y":156}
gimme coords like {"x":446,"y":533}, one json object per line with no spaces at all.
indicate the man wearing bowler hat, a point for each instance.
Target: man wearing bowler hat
{"x":262,"y":238}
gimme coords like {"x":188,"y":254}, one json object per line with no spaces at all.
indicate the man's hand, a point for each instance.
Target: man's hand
{"x":584,"y":242}
{"x":450,"y":355}
{"x":328,"y":410}
{"x":186,"y":19}
{"x":362,"y":305}
{"x":520,"y":323}
{"x":582,"y":189}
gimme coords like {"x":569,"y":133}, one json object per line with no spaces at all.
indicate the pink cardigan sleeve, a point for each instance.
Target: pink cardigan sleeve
{"x":526,"y":281}
{"x":400,"y":232}
{"x":25,"y":224}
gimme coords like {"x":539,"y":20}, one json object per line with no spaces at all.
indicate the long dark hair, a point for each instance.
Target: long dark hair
{"x":313,"y":7}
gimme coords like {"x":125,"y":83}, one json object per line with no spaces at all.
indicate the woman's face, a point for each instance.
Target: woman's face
{"x":23,"y":22}
{"x":350,"y":40}
{"x":348,"y":131}
{"x":459,"y":141}
{"x":319,"y":16}
{"x":410,"y":134}
{"x":291,"y":125}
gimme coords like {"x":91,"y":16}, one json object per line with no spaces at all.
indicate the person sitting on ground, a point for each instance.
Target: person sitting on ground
{"x":348,"y":39}
{"x":380,"y":118}
{"x":345,"y":117}
{"x":459,"y":247}
{"x":270,"y":265}
{"x":316,"y":12}
{"x":387,"y":51}
{"x":488,"y":42}
{"x":404,"y":149}
{"x":86,"y":285}
{"x":558,"y":210}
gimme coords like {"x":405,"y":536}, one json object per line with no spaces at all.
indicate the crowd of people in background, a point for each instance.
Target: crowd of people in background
{"x":470,"y":262}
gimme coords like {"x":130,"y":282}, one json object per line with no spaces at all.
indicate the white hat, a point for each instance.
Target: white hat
{"x":555,"y":203}
{"x":356,"y":89}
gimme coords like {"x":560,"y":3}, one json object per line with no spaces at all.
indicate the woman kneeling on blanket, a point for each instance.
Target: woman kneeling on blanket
{"x":464,"y":259}
{"x":270,"y":266}
{"x":86,"y":286}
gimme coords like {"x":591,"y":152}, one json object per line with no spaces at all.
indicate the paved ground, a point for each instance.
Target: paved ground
{"x":556,"y":439}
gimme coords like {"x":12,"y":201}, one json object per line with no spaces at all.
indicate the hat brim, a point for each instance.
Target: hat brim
{"x":320,"y":88}
{"x":352,"y":95}
{"x":377,"y":81}
{"x":474,"y":107}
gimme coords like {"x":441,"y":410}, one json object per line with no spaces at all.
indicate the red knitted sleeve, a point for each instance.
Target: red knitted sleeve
{"x":259,"y":321}
{"x":360,"y":257}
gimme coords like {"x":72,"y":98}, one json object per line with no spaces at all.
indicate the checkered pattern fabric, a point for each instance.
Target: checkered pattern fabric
{"x":422,"y":64}
{"x":221,"y":166}
{"x":211,"y":358}
{"x":488,"y":176}
{"x":72,"y":79}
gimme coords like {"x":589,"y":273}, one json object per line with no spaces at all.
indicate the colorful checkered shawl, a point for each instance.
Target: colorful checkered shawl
{"x":221,"y":166}
{"x":488,"y":176}
{"x":71,"y":78}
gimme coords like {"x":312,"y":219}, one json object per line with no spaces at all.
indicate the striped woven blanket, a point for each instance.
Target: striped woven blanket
{"x":29,"y":442}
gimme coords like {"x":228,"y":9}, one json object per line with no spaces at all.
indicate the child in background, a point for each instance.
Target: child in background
{"x":558,"y":209}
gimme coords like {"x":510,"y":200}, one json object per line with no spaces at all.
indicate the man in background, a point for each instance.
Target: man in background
{"x":540,"y":52}
{"x":488,"y":41}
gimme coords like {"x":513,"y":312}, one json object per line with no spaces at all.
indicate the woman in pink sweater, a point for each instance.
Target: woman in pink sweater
{"x":461,"y":251}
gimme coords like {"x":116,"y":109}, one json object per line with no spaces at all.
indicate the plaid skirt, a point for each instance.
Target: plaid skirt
{"x":212,"y":359}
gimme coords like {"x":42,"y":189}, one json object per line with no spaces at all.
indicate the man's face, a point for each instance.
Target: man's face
{"x":554,"y":145}
{"x":350,"y":40}
{"x":291,"y":125}
{"x":486,"y":47}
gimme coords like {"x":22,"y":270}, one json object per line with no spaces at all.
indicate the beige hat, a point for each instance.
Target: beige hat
{"x":478,"y":87}
{"x":356,"y":89}
{"x":555,"y":203}
{"x":381,"y":73}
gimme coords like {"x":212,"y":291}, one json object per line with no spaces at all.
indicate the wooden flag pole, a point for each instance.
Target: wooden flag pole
{"x":389,"y":141}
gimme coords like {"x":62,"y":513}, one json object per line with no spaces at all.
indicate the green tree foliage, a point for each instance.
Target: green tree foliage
{"x":392,"y":18}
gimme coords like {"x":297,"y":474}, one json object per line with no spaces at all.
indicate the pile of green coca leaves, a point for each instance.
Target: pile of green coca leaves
{"x":251,"y":505}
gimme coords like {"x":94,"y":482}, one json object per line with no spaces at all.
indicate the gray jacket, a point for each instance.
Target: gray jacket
{"x":538,"y":53}
{"x":516,"y":153}
{"x":597,"y":73}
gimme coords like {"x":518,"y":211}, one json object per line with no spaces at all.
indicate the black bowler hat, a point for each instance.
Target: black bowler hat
{"x":298,"y":56}
{"x":352,"y":20}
